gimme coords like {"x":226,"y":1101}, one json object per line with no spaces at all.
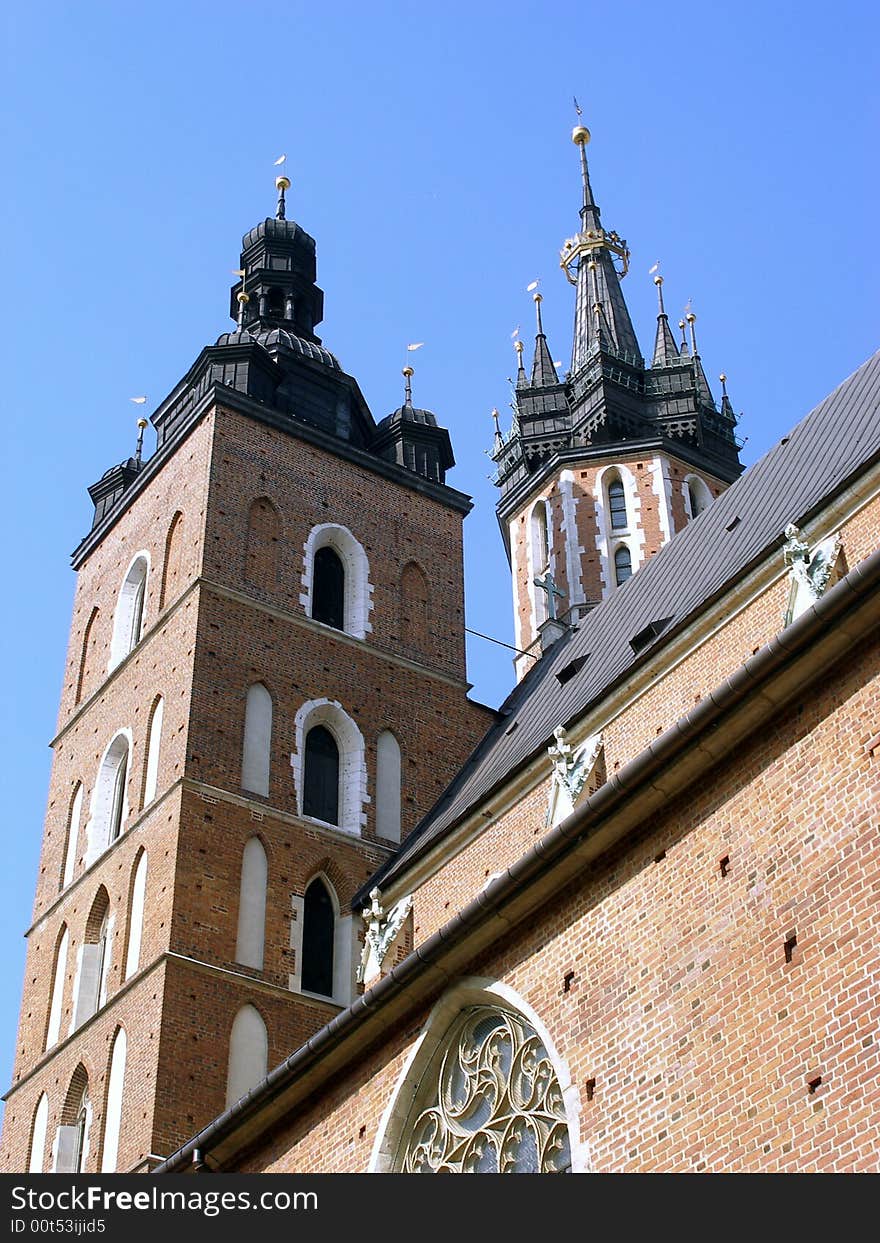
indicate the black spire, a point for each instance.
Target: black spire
{"x":543,"y":370}
{"x":665,"y":349}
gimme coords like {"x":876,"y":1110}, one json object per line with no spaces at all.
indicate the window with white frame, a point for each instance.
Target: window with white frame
{"x":697,"y":495}
{"x":128,"y":622}
{"x":622,"y":564}
{"x":615,"y":492}
{"x":110,"y":805}
{"x":39,"y":1126}
{"x":136,"y":901}
{"x":72,"y":1137}
{"x":113,"y":1114}
{"x":154,"y":741}
{"x":248,"y":1054}
{"x":94,"y":962}
{"x":59,"y":974}
{"x":328,"y":766}
{"x":336,"y":580}
{"x":257,"y":743}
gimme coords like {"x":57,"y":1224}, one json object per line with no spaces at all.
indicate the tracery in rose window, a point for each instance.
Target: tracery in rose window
{"x":490,"y":1103}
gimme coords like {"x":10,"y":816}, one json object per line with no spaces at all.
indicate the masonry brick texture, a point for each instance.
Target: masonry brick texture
{"x":702,"y":1039}
{"x":224,"y":525}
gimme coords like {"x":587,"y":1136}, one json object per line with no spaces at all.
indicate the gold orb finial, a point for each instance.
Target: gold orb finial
{"x":537,"y":297}
{"x":691,"y":317}
{"x":681,"y":324}
{"x":518,"y":347}
{"x":580,"y":135}
{"x":723,"y":378}
{"x":142,"y":423}
{"x":243,"y":297}
{"x":658,"y":280}
{"x":407,"y":371}
{"x":282,"y":183}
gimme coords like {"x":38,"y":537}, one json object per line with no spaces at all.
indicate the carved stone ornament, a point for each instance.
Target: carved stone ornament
{"x":809,"y":572}
{"x":382,"y":928}
{"x":572,"y":767}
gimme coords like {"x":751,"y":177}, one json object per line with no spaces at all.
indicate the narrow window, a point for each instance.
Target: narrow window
{"x":321,"y":778}
{"x":117,"y":800}
{"x":699,"y":496}
{"x":110,"y":799}
{"x":540,"y":538}
{"x":319,"y":921}
{"x":328,"y":592}
{"x":54,"y":1024}
{"x":414,"y":604}
{"x":248,"y":1054}
{"x":617,"y":505}
{"x":115,"y":1084}
{"x":262,"y":543}
{"x":257,"y":747}
{"x":38,"y":1136}
{"x":171,"y":569}
{"x":151,"y":778}
{"x":72,"y":836}
{"x":388,"y":786}
{"x":136,"y":915}
{"x":95,"y":960}
{"x":129,"y":620}
{"x":622,"y":564}
{"x":250,"y":941}
{"x":86,"y":665}
{"x":71,"y":1142}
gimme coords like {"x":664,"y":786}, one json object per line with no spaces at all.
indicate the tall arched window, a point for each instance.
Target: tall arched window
{"x":94,"y":962}
{"x":319,"y":931}
{"x":257,"y":746}
{"x":622,"y":564}
{"x":128,"y":623}
{"x":110,"y":805}
{"x":698,"y":495}
{"x":38,"y":1136}
{"x":321,"y":776}
{"x":171,"y":568}
{"x":250,"y":940}
{"x":488,"y":1101}
{"x":151,"y":777}
{"x":336,"y":581}
{"x":617,"y":505}
{"x":136,"y":899}
{"x":115,"y":1086}
{"x":261,"y":549}
{"x":540,"y":531}
{"x":328,"y":589}
{"x":72,"y":1138}
{"x":86,"y":659}
{"x":116,"y":811}
{"x":59,"y":973}
{"x":414,"y":603}
{"x":72,"y":836}
{"x":248,"y":1054}
{"x":388,"y":786}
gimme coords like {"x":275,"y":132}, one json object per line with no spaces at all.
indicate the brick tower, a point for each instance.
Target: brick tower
{"x":265,"y":690}
{"x":603,"y":466}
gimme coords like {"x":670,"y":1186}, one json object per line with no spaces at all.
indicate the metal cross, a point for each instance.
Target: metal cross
{"x":548,"y":584}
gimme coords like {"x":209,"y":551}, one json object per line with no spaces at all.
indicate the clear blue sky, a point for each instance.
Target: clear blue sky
{"x":430,"y":156}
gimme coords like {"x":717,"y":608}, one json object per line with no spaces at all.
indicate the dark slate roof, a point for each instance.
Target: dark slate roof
{"x":794,"y":479}
{"x":275,"y":338}
{"x":409,"y":414}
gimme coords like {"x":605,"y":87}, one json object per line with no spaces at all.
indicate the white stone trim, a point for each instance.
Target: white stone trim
{"x":358,"y":588}
{"x":574,"y":551}
{"x":97,"y":826}
{"x":122,"y":641}
{"x":353,"y":796}
{"x":662,"y":483}
{"x":608,"y":540}
{"x":701,"y":486}
{"x":469,"y":991}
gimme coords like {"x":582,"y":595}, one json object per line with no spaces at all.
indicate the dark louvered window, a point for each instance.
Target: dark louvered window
{"x":317,"y":951}
{"x":622,"y":565}
{"x":328,"y":589}
{"x":617,"y":504}
{"x":321,"y":780}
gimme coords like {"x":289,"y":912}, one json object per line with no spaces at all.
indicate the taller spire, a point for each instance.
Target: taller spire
{"x":600,"y":309}
{"x":543,"y":371}
{"x":665,"y":349}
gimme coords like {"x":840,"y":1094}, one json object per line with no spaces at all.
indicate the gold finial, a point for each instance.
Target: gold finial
{"x":537,"y":297}
{"x":658,"y":280}
{"x":691,"y":317}
{"x":580,"y":135}
{"x":142,"y":423}
{"x":407,"y":374}
{"x":518,"y":346}
{"x":138,"y":453}
{"x":243,"y":299}
{"x":282,"y":183}
{"x":681,"y":324}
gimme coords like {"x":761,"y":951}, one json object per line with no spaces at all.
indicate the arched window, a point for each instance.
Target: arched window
{"x":86,"y":661}
{"x":414,"y":603}
{"x":622,"y":564}
{"x":488,"y":1100}
{"x":250,"y":941}
{"x":38,"y":1136}
{"x":128,"y":623}
{"x":72,"y":1137}
{"x":319,"y":932}
{"x":72,"y":836}
{"x":617,"y":505}
{"x":328,"y":589}
{"x":321,"y":776}
{"x":136,"y":899}
{"x":540,"y":530}
{"x":336,"y":581}
{"x":257,"y":748}
{"x":94,"y":961}
{"x":151,"y":777}
{"x":171,"y":569}
{"x":58,"y":976}
{"x":110,"y":798}
{"x":115,"y":1086}
{"x":261,"y":546}
{"x":388,"y":786}
{"x":248,"y":1054}
{"x":698,"y":495}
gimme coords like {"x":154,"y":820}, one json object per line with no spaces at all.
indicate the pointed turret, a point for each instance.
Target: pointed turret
{"x":543,"y":370}
{"x":521,"y":377}
{"x":600,"y":285}
{"x":665,"y":349}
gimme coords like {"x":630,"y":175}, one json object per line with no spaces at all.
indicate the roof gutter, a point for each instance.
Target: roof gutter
{"x":779,"y":670}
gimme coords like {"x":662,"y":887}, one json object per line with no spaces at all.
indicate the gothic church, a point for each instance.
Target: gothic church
{"x":303,"y":906}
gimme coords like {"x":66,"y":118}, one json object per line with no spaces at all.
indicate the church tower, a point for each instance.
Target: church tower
{"x":602,"y":466}
{"x":264,"y":692}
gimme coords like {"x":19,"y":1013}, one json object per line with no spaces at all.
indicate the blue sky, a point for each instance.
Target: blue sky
{"x":429,"y":149}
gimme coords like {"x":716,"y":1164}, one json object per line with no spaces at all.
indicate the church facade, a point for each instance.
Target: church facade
{"x":303,"y":906}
